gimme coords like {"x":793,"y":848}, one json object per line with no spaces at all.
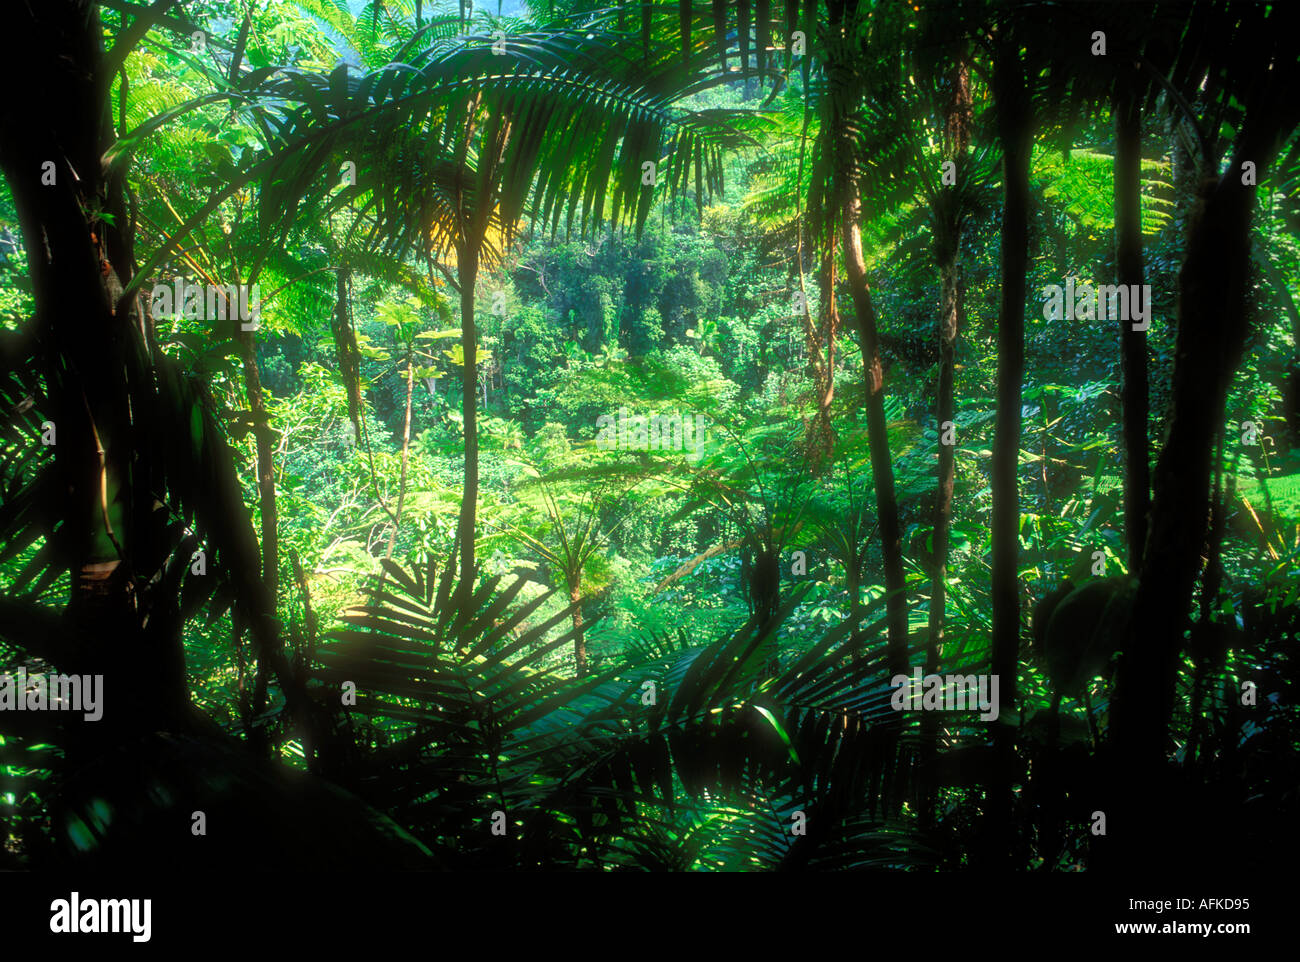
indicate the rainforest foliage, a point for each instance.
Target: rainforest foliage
{"x":539,"y":435}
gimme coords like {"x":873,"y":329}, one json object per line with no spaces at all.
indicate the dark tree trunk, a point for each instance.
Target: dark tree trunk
{"x":1016,"y":137}
{"x":80,"y":263}
{"x":948,"y":326}
{"x":882,"y":466}
{"x":1184,"y":172}
{"x":1015,"y":140}
{"x":819,"y":434}
{"x":847,"y":198}
{"x":105,"y":391}
{"x":1205,"y":634}
{"x":1212,"y":330}
{"x":265,"y":441}
{"x":1133,"y":344}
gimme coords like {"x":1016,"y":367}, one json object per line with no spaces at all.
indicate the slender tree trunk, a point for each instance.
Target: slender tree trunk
{"x":475,"y":222}
{"x":579,"y":638}
{"x":1206,"y":648}
{"x":1011,"y":366}
{"x":1133,"y":344}
{"x":467,"y":270}
{"x":1016,"y":137}
{"x":819,"y":435}
{"x":948,"y":323}
{"x":264,"y":437}
{"x":406,"y":455}
{"x":847,"y":193}
{"x":882,"y":467}
{"x":345,"y":350}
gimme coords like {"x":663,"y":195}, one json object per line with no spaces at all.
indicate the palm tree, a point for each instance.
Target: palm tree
{"x":577,"y":528}
{"x":454,"y":143}
{"x":123,"y":515}
{"x":690,"y":756}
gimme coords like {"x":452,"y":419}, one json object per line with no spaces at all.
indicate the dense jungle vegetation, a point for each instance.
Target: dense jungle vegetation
{"x":538,"y":435}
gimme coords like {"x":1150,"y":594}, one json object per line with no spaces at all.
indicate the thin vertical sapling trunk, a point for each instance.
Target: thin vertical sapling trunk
{"x":882,"y":467}
{"x":1133,"y":344}
{"x":406,"y":453}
